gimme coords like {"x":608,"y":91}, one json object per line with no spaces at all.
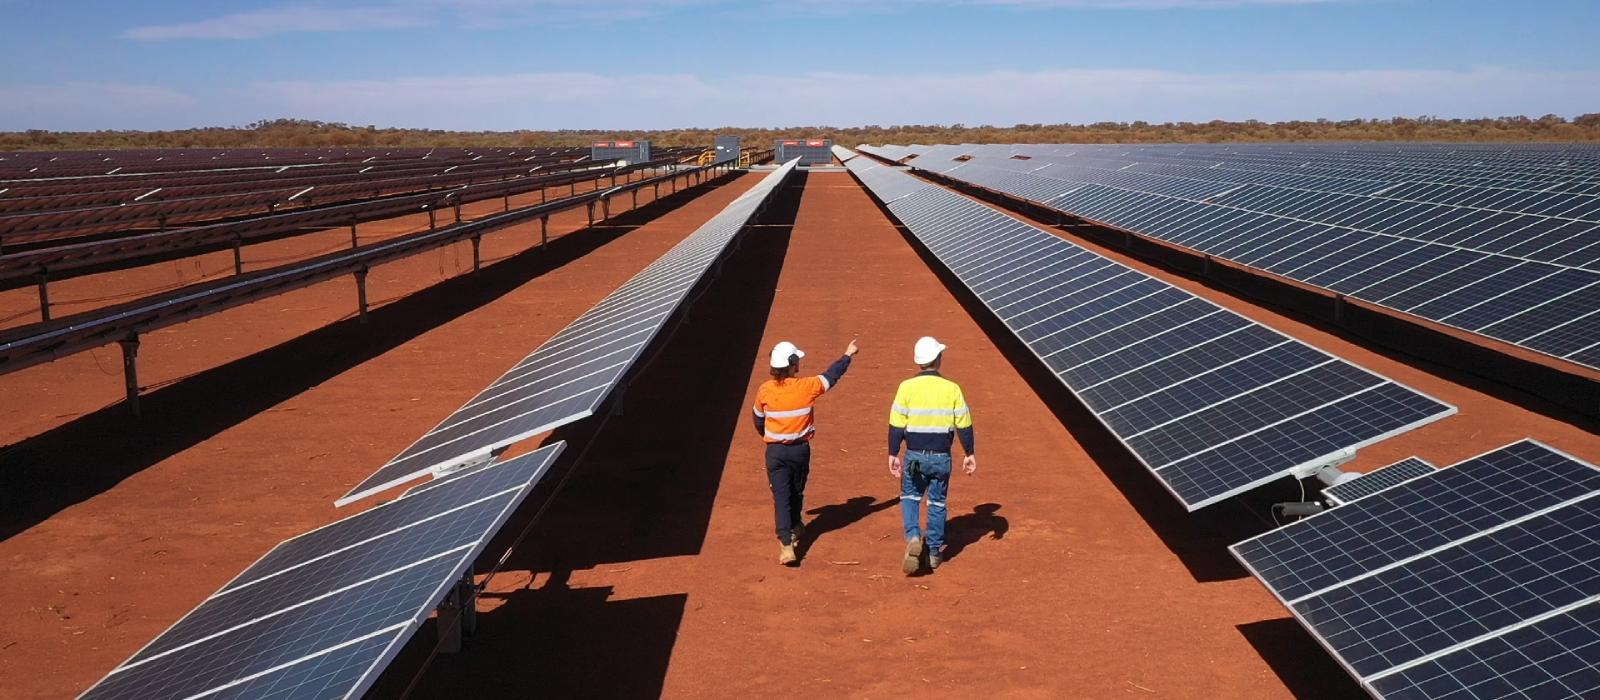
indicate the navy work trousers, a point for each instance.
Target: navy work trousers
{"x":787,"y":469}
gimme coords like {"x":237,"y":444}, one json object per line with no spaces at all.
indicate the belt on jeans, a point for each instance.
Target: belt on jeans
{"x":928,"y":452}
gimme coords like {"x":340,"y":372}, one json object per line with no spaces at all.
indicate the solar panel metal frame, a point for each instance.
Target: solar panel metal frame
{"x":1370,"y":681}
{"x":872,"y":174}
{"x":539,"y":463}
{"x":679,"y":269}
{"x":1377,"y":480}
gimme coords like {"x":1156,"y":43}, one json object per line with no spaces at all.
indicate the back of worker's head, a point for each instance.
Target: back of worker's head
{"x":784,"y":360}
{"x":927,"y":352}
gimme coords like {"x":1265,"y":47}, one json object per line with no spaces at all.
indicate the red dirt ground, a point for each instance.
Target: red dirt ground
{"x":654,"y":571}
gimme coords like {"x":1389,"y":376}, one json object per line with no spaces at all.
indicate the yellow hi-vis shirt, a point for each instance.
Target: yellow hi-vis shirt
{"x":929,"y":411}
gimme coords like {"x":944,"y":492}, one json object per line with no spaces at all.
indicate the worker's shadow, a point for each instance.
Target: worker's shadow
{"x":963,"y":530}
{"x":838,"y":516}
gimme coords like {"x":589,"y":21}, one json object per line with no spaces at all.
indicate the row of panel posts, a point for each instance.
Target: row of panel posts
{"x":130,"y":344}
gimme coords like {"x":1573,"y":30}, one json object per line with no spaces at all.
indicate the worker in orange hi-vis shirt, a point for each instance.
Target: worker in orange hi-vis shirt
{"x":784,"y":419}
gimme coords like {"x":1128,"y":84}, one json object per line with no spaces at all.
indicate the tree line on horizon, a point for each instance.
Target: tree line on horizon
{"x":302,"y":133}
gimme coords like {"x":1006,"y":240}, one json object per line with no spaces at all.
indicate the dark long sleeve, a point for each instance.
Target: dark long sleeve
{"x":965,"y":435}
{"x":896,"y":436}
{"x":760,"y":423}
{"x":836,"y":371}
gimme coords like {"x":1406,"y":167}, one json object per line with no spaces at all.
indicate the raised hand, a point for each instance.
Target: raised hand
{"x":852,"y":349}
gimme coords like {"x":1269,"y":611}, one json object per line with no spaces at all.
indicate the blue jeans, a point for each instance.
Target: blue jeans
{"x":925,"y":472}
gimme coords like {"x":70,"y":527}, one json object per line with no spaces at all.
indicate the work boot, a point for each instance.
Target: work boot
{"x":934,"y":559}
{"x":786,"y":555}
{"x":912,"y":560}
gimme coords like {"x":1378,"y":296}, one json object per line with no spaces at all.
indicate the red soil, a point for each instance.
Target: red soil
{"x":654,"y":570}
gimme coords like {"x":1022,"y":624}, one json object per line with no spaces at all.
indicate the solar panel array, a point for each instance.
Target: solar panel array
{"x":1500,"y":242}
{"x":1210,"y":401}
{"x":322,"y":613}
{"x":571,"y":374}
{"x":1481,"y":580}
{"x":1377,"y":480}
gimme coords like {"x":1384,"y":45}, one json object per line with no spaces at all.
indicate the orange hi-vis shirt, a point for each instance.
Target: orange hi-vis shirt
{"x":784,"y":407}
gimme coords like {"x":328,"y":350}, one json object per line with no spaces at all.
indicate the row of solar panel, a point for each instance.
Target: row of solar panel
{"x":1548,"y":307}
{"x":570,"y":375}
{"x":1523,"y":167}
{"x":1211,"y":402}
{"x":319,"y":615}
{"x":1475,"y":581}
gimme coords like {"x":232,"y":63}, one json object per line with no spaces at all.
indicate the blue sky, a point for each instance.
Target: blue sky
{"x":621,"y":64}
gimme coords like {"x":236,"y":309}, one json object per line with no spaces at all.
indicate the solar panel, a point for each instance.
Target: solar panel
{"x":1211,"y":402}
{"x":1552,"y":659}
{"x":1435,"y":582}
{"x":1377,"y":480}
{"x":570,"y":375}
{"x":1510,"y":251}
{"x":321,"y":613}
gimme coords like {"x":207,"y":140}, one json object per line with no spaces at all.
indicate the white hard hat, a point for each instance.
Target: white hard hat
{"x":927,"y":350}
{"x":781,"y":353}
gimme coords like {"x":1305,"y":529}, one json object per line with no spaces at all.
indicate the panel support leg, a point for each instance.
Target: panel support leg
{"x":433,"y":223}
{"x":591,"y":213}
{"x":44,"y":295}
{"x":605,"y":209}
{"x":458,"y":210}
{"x":458,"y":615}
{"x":477,"y":259}
{"x":238,"y":255}
{"x":353,"y":238}
{"x":544,"y":230}
{"x":130,"y":370}
{"x":361,"y":294}
{"x":507,"y":198}
{"x":635,"y":193}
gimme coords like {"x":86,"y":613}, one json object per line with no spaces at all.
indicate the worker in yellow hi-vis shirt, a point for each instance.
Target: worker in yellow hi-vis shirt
{"x":928,"y":413}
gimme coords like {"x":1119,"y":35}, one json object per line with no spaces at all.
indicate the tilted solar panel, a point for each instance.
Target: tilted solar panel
{"x":320,"y":614}
{"x":1211,"y":402}
{"x":1510,"y":251}
{"x":1429,"y":588}
{"x":1377,"y":480}
{"x":570,"y":375}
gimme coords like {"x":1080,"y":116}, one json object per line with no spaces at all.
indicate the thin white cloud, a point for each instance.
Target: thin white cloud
{"x":579,"y":100}
{"x":89,"y":106}
{"x":281,"y":20}
{"x":410,"y":14}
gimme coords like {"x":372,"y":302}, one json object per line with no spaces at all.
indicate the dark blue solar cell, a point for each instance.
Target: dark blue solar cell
{"x":1398,"y":523}
{"x":1483,"y":290}
{"x":1476,"y":587}
{"x":1527,"y":297}
{"x":1447,"y":283}
{"x":1554,"y":659}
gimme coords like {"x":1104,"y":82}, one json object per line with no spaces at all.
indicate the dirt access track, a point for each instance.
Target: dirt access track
{"x":1071,"y":572}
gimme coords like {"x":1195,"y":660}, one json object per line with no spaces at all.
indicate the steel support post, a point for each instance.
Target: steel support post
{"x":130,"y":370}
{"x":238,"y":255}
{"x":477,"y":246}
{"x":44,"y":295}
{"x":544,"y":230}
{"x":361,"y":294}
